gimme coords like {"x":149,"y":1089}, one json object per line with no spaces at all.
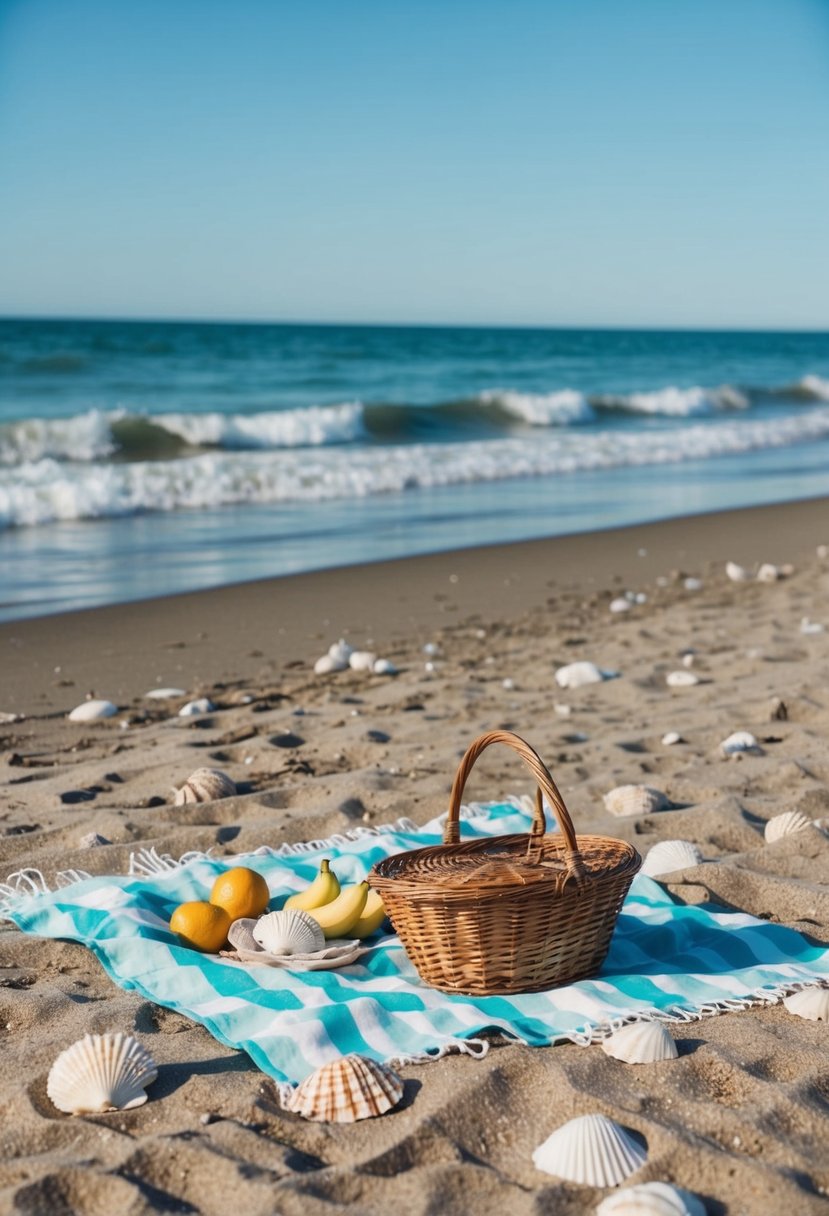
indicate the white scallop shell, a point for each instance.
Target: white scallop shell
{"x":93,"y":711}
{"x":737,"y":574}
{"x":341,"y":651}
{"x":641,"y":1043}
{"x":768,"y":573}
{"x":362,"y":660}
{"x":345,"y":1090}
{"x":592,"y":1150}
{"x":651,"y":1199}
{"x":670,"y":855}
{"x":785,"y":824}
{"x":205,"y":785}
{"x":288,"y":932}
{"x":740,"y":741}
{"x":384,"y":667}
{"x":681,"y":679}
{"x":194,"y":709}
{"x":576,"y":675}
{"x":670,"y":737}
{"x":163,"y":694}
{"x":635,"y":800}
{"x":101,"y":1072}
{"x":620,"y":605}
{"x":809,"y":1003}
{"x":327,"y":664}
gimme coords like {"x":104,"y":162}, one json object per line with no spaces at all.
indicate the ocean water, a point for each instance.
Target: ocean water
{"x":140,"y":459}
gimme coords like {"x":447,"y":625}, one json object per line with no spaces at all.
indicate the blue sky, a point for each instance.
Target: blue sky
{"x":607,"y":162}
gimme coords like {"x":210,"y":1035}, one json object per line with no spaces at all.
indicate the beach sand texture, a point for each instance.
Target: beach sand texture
{"x":740,"y":1117}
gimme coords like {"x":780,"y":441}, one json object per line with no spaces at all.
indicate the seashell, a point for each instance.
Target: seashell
{"x":432,"y":648}
{"x":288,"y":932}
{"x":341,"y":651}
{"x":768,"y":573}
{"x":592,"y":1150}
{"x":563,"y":711}
{"x":362,"y":660}
{"x":670,"y":737}
{"x":810,"y":1003}
{"x":164,"y":694}
{"x":740,"y":741}
{"x":640,"y":598}
{"x":384,"y":667}
{"x":101,"y":1072}
{"x":681,"y":679}
{"x":688,"y":659}
{"x":737,"y":574}
{"x":807,"y":626}
{"x":327,"y":664}
{"x":785,"y":825}
{"x":194,"y":709}
{"x":205,"y":785}
{"x":627,"y":800}
{"x":620,"y":605}
{"x":92,"y":840}
{"x":641,"y":1043}
{"x":93,"y":711}
{"x":651,"y":1199}
{"x":345,"y":1090}
{"x":576,"y":675}
{"x":670,"y":855}
{"x":693,"y":584}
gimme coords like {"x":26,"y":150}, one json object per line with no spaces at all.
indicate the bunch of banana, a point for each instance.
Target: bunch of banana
{"x":354,"y":911}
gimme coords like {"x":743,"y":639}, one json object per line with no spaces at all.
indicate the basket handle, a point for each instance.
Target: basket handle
{"x":545,"y":785}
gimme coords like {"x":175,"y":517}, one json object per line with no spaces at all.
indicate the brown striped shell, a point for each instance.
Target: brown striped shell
{"x":205,"y":785}
{"x":345,"y":1090}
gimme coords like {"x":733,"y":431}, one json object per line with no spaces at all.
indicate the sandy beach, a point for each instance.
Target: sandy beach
{"x":740,"y":1118}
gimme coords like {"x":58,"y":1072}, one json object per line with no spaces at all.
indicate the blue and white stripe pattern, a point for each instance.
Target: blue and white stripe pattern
{"x":666,"y":960}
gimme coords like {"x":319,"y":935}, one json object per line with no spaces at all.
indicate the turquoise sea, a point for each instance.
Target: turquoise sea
{"x":143,"y":458}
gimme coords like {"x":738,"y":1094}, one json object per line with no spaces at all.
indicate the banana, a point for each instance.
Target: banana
{"x":337,"y":919}
{"x":323,"y":890}
{"x":371,"y":918}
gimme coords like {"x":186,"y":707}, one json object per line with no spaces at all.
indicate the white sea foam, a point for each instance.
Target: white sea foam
{"x":541,"y":409}
{"x":814,"y":386}
{"x":44,"y":490}
{"x":311,"y":427}
{"x":677,"y":402}
{"x":81,"y":437}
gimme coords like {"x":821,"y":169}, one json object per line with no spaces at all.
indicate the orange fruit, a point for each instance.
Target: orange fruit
{"x":241,"y":892}
{"x":201,"y":925}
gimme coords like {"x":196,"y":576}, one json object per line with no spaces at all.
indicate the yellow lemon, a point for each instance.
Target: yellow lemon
{"x":241,"y":892}
{"x":201,"y":925}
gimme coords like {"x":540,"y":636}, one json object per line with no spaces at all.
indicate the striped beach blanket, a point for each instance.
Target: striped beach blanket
{"x":667,"y":960}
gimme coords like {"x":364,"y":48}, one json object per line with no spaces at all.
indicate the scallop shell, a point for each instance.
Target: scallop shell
{"x":101,"y":1072}
{"x":576,"y":675}
{"x":627,"y":800}
{"x":651,"y":1199}
{"x":681,"y":679}
{"x":737,"y":574}
{"x":809,"y":1003}
{"x":620,"y":605}
{"x":288,"y":932}
{"x":93,"y":711}
{"x":592,"y":1150}
{"x":205,"y":785}
{"x":641,"y":1043}
{"x":362,"y":660}
{"x":194,"y":709}
{"x":785,"y":825}
{"x":345,"y":1090}
{"x":669,"y":856}
{"x":740,"y":741}
{"x":327,"y":664}
{"x":341,"y":651}
{"x":384,"y":667}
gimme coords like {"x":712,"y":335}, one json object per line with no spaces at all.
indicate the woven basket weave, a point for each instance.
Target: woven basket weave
{"x":507,"y":913}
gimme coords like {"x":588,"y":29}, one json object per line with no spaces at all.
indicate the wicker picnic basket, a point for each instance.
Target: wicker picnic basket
{"x":507,"y":913}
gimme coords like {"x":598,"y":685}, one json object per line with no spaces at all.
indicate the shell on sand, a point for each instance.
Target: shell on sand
{"x":194,"y":709}
{"x":670,"y":855}
{"x":345,"y":1090}
{"x":205,"y":785}
{"x":807,"y":626}
{"x":627,"y":800}
{"x":101,"y":1072}
{"x":786,"y":824}
{"x":737,"y":574}
{"x":651,"y":1199}
{"x":164,"y":694}
{"x":641,"y":1043}
{"x":768,"y":573}
{"x":592,"y":1150}
{"x":92,"y":840}
{"x":362,"y":660}
{"x":681,"y":679}
{"x":576,"y":675}
{"x":809,"y":1003}
{"x":290,"y":931}
{"x":620,"y":605}
{"x":384,"y":667}
{"x":341,"y":651}
{"x":93,"y":711}
{"x":740,"y":741}
{"x":670,"y":737}
{"x":327,"y":664}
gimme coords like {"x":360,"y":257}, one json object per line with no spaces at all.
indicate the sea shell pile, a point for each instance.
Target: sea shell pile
{"x":288,"y":932}
{"x":592,"y":1150}
{"x":289,"y":938}
{"x":205,"y":785}
{"x":93,"y":710}
{"x":668,"y":856}
{"x":626,"y":800}
{"x":99,"y":1073}
{"x":651,"y":1199}
{"x":341,"y":656}
{"x":345,"y":1090}
{"x":641,"y":1043}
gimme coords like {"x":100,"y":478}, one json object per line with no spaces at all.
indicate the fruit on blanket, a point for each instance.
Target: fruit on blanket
{"x":201,"y":925}
{"x":241,"y":892}
{"x":371,"y":917}
{"x":323,"y":890}
{"x":339,"y":918}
